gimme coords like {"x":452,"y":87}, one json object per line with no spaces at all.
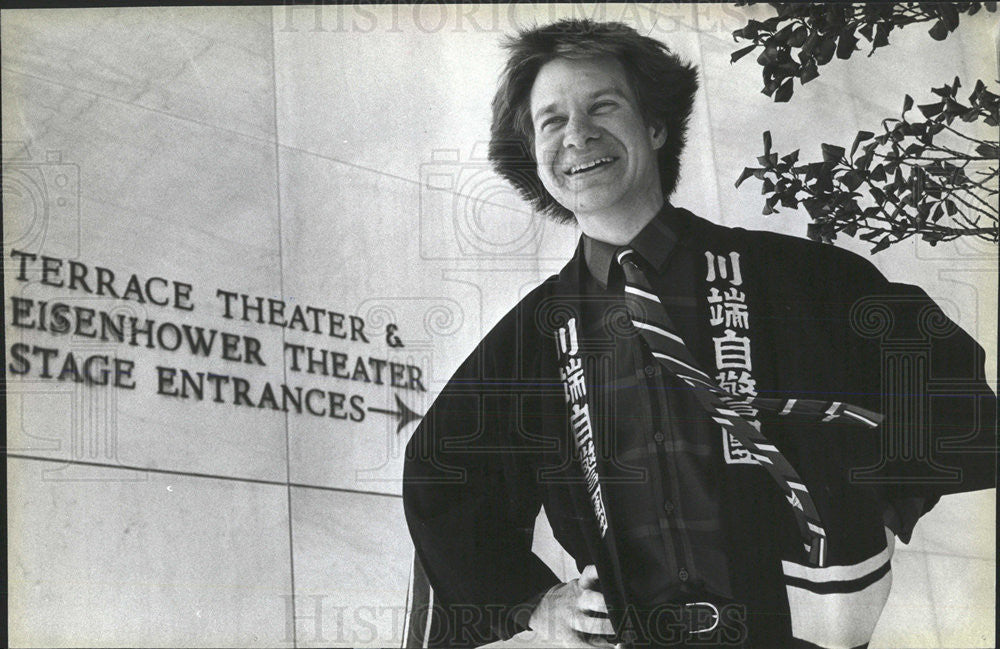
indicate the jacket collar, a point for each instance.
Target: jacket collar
{"x":654,"y":243}
{"x":689,"y":230}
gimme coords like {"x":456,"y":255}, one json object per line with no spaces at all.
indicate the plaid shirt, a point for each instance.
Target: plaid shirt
{"x":667,"y":450}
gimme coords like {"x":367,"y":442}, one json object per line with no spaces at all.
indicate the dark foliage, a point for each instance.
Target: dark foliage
{"x":804,"y":36}
{"x":926,"y":173}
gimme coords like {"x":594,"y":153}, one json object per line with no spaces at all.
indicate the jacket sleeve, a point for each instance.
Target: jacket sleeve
{"x":901,"y":355}
{"x":940,"y":432}
{"x":471,"y":502}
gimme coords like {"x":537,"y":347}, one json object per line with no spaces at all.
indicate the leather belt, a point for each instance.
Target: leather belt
{"x":677,"y":625}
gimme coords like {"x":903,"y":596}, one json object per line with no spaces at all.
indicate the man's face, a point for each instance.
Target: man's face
{"x":595,"y":153}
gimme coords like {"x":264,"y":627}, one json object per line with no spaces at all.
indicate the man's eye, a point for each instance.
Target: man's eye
{"x":551,"y":122}
{"x":603,"y":106}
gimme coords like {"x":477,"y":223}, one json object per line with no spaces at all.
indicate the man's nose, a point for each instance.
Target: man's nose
{"x":579,"y":131}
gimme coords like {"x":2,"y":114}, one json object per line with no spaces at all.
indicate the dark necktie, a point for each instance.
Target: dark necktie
{"x":651,"y":320}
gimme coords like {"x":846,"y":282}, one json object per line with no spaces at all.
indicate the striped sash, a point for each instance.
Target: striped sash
{"x":731,"y":411}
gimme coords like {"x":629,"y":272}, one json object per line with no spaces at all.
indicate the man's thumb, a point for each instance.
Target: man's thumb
{"x":588,"y":578}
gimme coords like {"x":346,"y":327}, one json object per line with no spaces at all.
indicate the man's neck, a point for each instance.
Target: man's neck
{"x":620,"y":227}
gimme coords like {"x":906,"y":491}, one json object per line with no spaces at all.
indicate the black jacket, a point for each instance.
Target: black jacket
{"x":496,"y":445}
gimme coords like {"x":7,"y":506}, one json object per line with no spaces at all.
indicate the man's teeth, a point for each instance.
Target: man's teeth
{"x":589,"y":165}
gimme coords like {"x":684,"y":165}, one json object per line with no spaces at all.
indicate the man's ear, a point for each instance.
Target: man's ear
{"x":658,"y":133}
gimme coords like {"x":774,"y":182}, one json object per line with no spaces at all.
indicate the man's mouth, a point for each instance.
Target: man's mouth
{"x":590,"y":165}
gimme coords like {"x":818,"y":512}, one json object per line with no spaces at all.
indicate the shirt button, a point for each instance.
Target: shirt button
{"x":668,"y":506}
{"x":683,"y":574}
{"x":650,"y":370}
{"x":658,"y":436}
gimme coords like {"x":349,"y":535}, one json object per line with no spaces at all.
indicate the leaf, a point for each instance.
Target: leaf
{"x":808,"y":72}
{"x":846,"y":44}
{"x":814,"y":231}
{"x":781,"y":36}
{"x":832,"y":153}
{"x":850,"y":229}
{"x":882,"y":244}
{"x":768,"y":57}
{"x":931,"y":237}
{"x":851,"y":180}
{"x":791,"y":158}
{"x":810,"y":44}
{"x":740,"y":53}
{"x":922,"y":213}
{"x":939,"y":31}
{"x":767,"y":143}
{"x":988,"y":150}
{"x":814,"y":207}
{"x":787,"y":68}
{"x":953,"y":109}
{"x":862,"y":136}
{"x":747,"y":172}
{"x":824,"y":182}
{"x":784,"y":93}
{"x":949,"y":14}
{"x":907,"y":103}
{"x":825,"y":50}
{"x":881,"y":35}
{"x":798,"y":36}
{"x":770,"y":23}
{"x":749,"y":32}
{"x":930,"y":110}
{"x":942,"y":91}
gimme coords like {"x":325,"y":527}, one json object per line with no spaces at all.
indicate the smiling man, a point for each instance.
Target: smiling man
{"x":596,"y":154}
{"x":698,"y":408}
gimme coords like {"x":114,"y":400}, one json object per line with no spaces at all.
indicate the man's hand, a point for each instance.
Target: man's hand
{"x":573,"y":614}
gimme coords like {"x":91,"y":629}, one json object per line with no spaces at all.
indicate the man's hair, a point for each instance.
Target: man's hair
{"x":664,"y":87}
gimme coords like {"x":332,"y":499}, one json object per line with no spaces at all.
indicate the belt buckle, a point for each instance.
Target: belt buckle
{"x":694,"y":620}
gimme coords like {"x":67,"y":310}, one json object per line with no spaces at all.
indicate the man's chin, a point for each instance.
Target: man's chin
{"x":587,"y":204}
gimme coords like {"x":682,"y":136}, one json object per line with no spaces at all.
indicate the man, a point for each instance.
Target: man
{"x":695,"y":406}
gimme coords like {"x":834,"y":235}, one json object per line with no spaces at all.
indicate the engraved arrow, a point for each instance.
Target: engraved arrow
{"x":404,"y":413}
